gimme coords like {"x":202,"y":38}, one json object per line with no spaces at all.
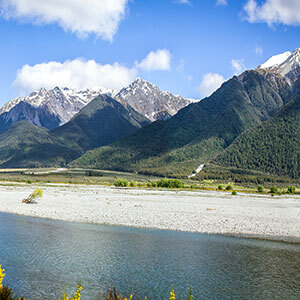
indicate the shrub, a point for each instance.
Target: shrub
{"x":228,"y":187}
{"x":154,"y":184}
{"x":29,"y":181}
{"x":148,"y":184}
{"x":31,"y":199}
{"x":260,"y":189}
{"x":121,"y":183}
{"x":273,"y":190}
{"x":234,"y":193}
{"x":220,"y":187}
{"x":170,"y":183}
{"x":291,"y":189}
{"x":132,"y":183}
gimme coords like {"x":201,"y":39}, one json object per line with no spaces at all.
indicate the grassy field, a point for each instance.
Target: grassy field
{"x":108,"y":178}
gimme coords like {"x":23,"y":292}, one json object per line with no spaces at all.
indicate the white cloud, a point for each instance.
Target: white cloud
{"x":76,"y":73}
{"x":159,"y":60}
{"x":180,"y":67}
{"x":258,"y":50}
{"x":100,"y":17}
{"x":238,"y":66}
{"x":273,"y":12}
{"x":210,"y":83}
{"x":183,"y":1}
{"x":80,"y":73}
{"x":221,"y":3}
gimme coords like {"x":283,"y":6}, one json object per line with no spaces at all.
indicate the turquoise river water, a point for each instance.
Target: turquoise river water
{"x":44,"y":258}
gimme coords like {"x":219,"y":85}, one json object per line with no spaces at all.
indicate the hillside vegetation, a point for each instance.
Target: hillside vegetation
{"x":195,"y":134}
{"x":102,"y":121}
{"x":273,"y":147}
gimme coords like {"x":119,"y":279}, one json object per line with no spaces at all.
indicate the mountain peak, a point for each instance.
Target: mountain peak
{"x":146,"y":98}
{"x":286,"y":65}
{"x":275,"y":60}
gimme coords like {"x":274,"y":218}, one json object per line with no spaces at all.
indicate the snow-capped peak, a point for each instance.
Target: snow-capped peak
{"x":275,"y":60}
{"x":285,"y":65}
{"x":62,"y":102}
{"x":148,"y":99}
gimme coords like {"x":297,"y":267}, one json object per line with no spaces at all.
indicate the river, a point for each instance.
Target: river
{"x":44,"y":258}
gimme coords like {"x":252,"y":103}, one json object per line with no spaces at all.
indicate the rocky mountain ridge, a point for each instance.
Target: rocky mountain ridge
{"x":55,"y":107}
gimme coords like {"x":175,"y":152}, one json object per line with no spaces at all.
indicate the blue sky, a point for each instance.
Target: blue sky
{"x":186,"y":47}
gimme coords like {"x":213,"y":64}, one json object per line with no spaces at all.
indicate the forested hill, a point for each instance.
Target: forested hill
{"x":195,"y":134}
{"x":273,"y":147}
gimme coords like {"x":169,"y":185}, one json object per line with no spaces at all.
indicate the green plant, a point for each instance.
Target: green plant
{"x":234,"y":193}
{"x":220,"y":187}
{"x":170,"y":183}
{"x":273,"y":190}
{"x":121,"y":183}
{"x":132,"y":183}
{"x":154,"y":184}
{"x":29,"y":181}
{"x":31,"y":199}
{"x":291,"y":189}
{"x":260,"y":189}
{"x":228,"y":187}
{"x":190,"y":297}
{"x":5,"y":292}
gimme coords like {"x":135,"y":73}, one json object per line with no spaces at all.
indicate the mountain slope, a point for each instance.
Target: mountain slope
{"x":273,"y":147}
{"x":195,"y":134}
{"x":101,"y":122}
{"x":24,"y":111}
{"x":27,"y":145}
{"x":150,"y":101}
{"x":282,"y":71}
{"x":48,"y":109}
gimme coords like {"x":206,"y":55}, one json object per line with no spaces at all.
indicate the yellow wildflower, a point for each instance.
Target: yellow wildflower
{"x":172,"y":294}
{"x":2,"y":275}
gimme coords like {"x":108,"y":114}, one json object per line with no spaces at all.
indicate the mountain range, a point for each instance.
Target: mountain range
{"x":142,"y":129}
{"x":100,"y":122}
{"x":53,"y":108}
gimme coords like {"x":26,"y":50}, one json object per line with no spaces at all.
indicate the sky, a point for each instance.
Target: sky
{"x":187,"y":47}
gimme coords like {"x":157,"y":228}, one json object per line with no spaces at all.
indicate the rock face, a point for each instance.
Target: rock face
{"x":282,"y":71}
{"x":48,"y":109}
{"x":150,"y":101}
{"x":53,"y":108}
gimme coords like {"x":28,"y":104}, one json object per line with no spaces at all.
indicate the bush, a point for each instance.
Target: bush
{"x":260,"y":189}
{"x":29,"y":181}
{"x":234,"y":193}
{"x":121,"y":183}
{"x":170,"y":183}
{"x":220,"y":187}
{"x":132,"y":183}
{"x":291,"y":189}
{"x":148,"y":184}
{"x":273,"y":190}
{"x":228,"y":187}
{"x":31,"y":199}
{"x":154,"y":184}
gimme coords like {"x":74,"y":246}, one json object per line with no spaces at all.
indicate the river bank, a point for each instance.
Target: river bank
{"x":250,"y":215}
